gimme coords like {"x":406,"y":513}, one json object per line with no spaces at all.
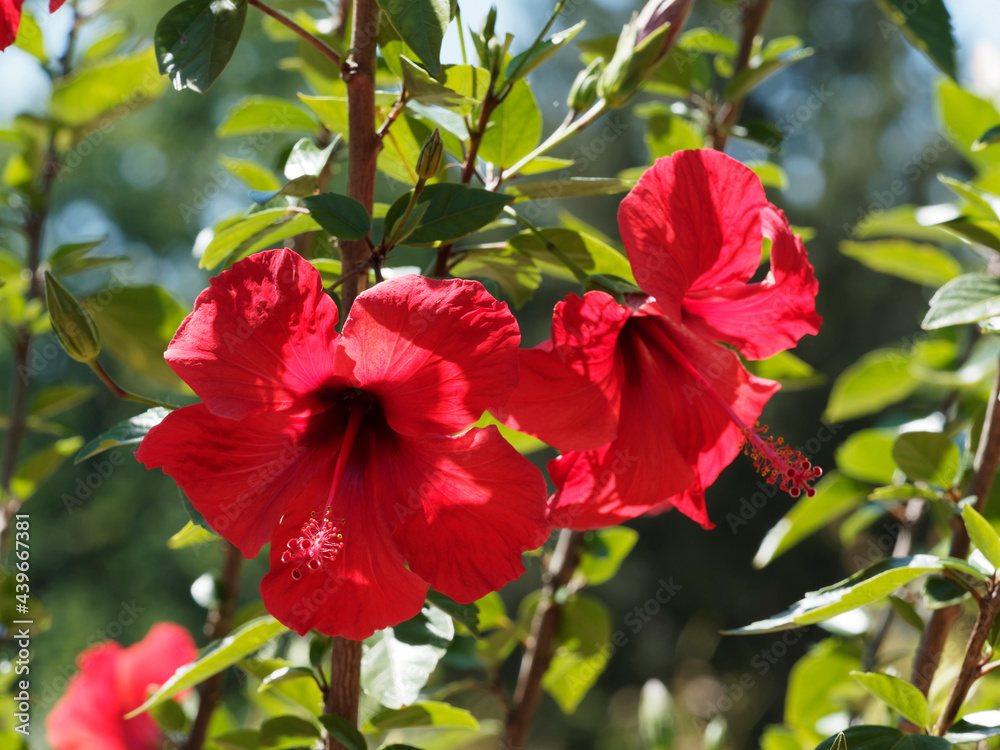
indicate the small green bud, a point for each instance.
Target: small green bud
{"x":431,"y":156}
{"x":583,"y":92}
{"x":72,"y":324}
{"x":489,"y":24}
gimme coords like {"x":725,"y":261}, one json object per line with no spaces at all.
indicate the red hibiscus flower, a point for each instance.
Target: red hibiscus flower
{"x":10,"y":19}
{"x":113,"y":681}
{"x":347,"y":452}
{"x":646,"y":405}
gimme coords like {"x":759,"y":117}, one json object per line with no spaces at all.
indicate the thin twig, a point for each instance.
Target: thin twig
{"x":325,"y":49}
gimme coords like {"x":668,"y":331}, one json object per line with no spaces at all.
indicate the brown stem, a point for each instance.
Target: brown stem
{"x":363,"y":143}
{"x":218,"y":626}
{"x":325,"y":49}
{"x":753,"y":19}
{"x":538,"y":651}
{"x":985,"y":466}
{"x":345,"y":683}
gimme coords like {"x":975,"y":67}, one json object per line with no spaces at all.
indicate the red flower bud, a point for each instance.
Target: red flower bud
{"x":659,"y":13}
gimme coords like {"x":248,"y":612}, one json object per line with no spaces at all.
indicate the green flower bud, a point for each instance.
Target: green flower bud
{"x":72,"y":324}
{"x":583,"y":93}
{"x":489,"y":24}
{"x":431,"y":156}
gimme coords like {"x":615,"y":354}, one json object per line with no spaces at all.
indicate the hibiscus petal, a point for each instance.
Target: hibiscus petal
{"x":239,"y":474}
{"x":152,"y":661}
{"x":55,"y":5}
{"x":692,"y":221}
{"x":259,"y":338}
{"x":762,"y":319}
{"x":436,"y":353}
{"x":10,"y":19}
{"x":90,"y":713}
{"x":365,"y":588}
{"x":464,"y":509}
{"x":570,"y":386}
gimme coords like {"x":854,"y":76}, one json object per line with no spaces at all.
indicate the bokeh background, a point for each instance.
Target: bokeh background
{"x":100,"y":564}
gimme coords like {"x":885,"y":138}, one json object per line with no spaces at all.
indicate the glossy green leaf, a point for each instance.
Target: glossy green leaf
{"x":582,"y":654}
{"x":344,"y":731}
{"x":522,"y":64}
{"x":835,"y":496}
{"x":927,"y":457}
{"x":75,"y":257}
{"x":421,"y":25}
{"x":219,"y":655}
{"x":921,"y":264}
{"x":277,"y":235}
{"x":299,"y":187}
{"x":879,"y":379}
{"x":867,"y":456}
{"x":192,"y":535}
{"x":928,"y":27}
{"x":394,"y":670}
{"x":137,"y":323}
{"x":589,"y":252}
{"x":343,"y":217}
{"x":867,"y":737}
{"x":604,"y":551}
{"x":453,"y":211}
{"x":129,"y":432}
{"x":264,"y":114}
{"x":869,"y":585}
{"x":571,"y":187}
{"x":982,"y":534}
{"x":230,"y":235}
{"x":523,"y":443}
{"x":121,"y":83}
{"x":988,"y":138}
{"x":420,"y":714}
{"x":898,"y":694}
{"x":195,"y":40}
{"x":41,"y":465}
{"x":789,"y":370}
{"x":940,"y":592}
{"x":966,"y":117}
{"x":514,"y":128}
{"x":516,"y":274}
{"x":975,"y":727}
{"x":980,"y":202}
{"x":965,"y":299}
{"x":255,"y":176}
{"x":897,"y":222}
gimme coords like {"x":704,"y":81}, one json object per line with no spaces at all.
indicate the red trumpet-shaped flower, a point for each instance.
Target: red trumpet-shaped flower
{"x":646,"y":406}
{"x":347,"y":452}
{"x":10,"y":19}
{"x":113,"y":681}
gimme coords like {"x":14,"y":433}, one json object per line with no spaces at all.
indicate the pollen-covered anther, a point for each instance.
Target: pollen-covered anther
{"x":779,"y":463}
{"x":318,"y":543}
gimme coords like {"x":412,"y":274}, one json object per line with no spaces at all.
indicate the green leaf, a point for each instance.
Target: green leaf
{"x":965,"y":299}
{"x":589,"y":252}
{"x":522,"y":64}
{"x":907,"y":613}
{"x":921,"y":264}
{"x":523,"y":443}
{"x":421,"y":25}
{"x":255,"y":176}
{"x":979,"y":201}
{"x":878,"y":379}
{"x":343,"y":217}
{"x":787,"y":369}
{"x":867,"y":455}
{"x":769,"y":174}
{"x":74,"y":257}
{"x":514,"y":128}
{"x":284,"y":674}
{"x":965,"y":117}
{"x":516,"y":273}
{"x":129,"y":432}
{"x":869,"y":585}
{"x":991,"y":136}
{"x":898,"y":222}
{"x":982,"y":534}
{"x":420,"y":714}
{"x":195,"y":40}
{"x":582,"y":654}
{"x":278,"y":730}
{"x":975,"y":727}
{"x":840,"y":742}
{"x":394,"y":668}
{"x":41,"y":465}
{"x":344,"y":731}
{"x":835,"y":495}
{"x":898,"y":694}
{"x":865,"y":737}
{"x":927,"y":457}
{"x":572,"y":187}
{"x":604,"y":551}
{"x":59,"y":398}
{"x":667,"y":132}
{"x":29,"y":37}
{"x":928,"y":27}
{"x":256,"y":114}
{"x":231,"y":234}
{"x":136,"y":324}
{"x":217,"y":657}
{"x":741,"y":84}
{"x":299,"y":187}
{"x":96,"y":89}
{"x":453,"y":211}
{"x":192,"y":535}
{"x":424,"y":89}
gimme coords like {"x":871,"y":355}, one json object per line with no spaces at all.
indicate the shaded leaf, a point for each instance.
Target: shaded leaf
{"x":522,"y":64}
{"x":928,"y":27}
{"x":572,"y":187}
{"x":453,"y":211}
{"x":420,"y":714}
{"x":195,"y":40}
{"x":421,"y":25}
{"x":344,"y":731}
{"x":343,"y":217}
{"x":928,"y":457}
{"x":514,"y":128}
{"x":975,"y":727}
{"x":866,"y":737}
